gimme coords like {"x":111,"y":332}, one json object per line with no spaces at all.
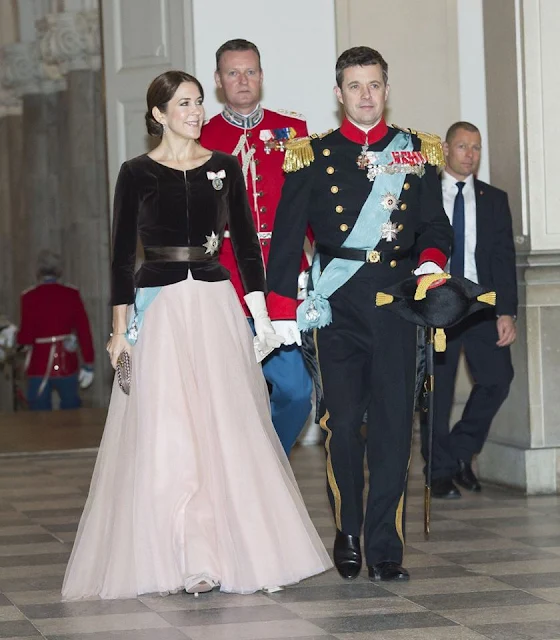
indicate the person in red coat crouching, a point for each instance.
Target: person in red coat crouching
{"x":256,"y":136}
{"x":54,"y":323}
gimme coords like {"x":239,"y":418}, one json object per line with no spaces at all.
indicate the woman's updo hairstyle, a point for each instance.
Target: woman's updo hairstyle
{"x":160,"y":92}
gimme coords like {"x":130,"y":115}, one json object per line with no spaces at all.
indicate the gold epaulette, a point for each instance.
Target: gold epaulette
{"x":299,"y":152}
{"x":430,"y":146}
{"x":287,"y":112}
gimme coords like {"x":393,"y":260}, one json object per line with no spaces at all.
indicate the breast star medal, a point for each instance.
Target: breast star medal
{"x":389,"y":231}
{"x":212,"y":243}
{"x":390,"y":202}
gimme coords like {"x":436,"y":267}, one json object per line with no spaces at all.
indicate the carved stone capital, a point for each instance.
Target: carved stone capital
{"x":22,"y":71}
{"x":70,"y":40}
{"x":10,"y":103}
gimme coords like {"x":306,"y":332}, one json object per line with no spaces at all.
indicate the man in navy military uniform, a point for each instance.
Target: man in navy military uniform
{"x":373,"y":201}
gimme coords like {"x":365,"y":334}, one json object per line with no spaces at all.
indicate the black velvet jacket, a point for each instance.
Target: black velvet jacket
{"x":170,"y":208}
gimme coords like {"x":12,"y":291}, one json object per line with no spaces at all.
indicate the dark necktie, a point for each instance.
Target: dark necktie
{"x":457,"y":267}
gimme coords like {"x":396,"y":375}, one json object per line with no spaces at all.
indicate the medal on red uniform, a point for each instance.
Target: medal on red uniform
{"x":274,"y":139}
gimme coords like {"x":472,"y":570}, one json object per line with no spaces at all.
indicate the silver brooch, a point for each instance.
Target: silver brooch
{"x":311,"y":314}
{"x":212,"y":244}
{"x":217,"y":179}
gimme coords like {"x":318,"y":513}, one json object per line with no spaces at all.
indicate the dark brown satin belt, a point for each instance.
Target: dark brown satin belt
{"x":178,"y":254}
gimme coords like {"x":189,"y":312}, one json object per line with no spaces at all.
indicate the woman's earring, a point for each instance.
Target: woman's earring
{"x":164,"y":127}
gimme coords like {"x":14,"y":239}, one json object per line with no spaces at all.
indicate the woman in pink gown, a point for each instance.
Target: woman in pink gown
{"x":191,"y":488}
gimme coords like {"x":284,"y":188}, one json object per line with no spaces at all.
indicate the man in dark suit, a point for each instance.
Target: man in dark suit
{"x":483,"y":252}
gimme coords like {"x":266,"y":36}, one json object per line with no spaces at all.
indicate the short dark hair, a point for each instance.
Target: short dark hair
{"x":49,"y":264}
{"x":160,"y":92}
{"x":360,"y":57}
{"x":238,"y":44}
{"x":467,"y":126}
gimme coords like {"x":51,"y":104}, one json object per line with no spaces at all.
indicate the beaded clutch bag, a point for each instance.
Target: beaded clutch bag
{"x":124,"y":372}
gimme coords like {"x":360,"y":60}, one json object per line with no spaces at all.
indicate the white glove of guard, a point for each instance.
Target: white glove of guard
{"x":85,"y":377}
{"x":8,"y":336}
{"x":428,"y":267}
{"x":288,"y":330}
{"x":263,"y":326}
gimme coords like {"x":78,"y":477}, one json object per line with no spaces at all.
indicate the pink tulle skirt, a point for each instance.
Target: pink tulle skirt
{"x":191,"y":482}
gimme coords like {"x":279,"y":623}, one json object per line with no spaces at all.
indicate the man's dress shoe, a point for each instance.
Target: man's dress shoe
{"x":347,"y":555}
{"x":385,"y":571}
{"x":466,"y":478}
{"x":444,"y":488}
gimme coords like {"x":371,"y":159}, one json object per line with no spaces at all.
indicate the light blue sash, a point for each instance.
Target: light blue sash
{"x":315,"y":312}
{"x":144,"y":298}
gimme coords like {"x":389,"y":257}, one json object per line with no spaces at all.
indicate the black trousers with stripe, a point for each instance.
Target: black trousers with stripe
{"x":367,"y":359}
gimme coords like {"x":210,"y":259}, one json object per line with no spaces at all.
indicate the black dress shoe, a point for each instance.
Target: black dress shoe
{"x":444,"y":488}
{"x":385,"y":571}
{"x":466,"y":478}
{"x":347,"y":555}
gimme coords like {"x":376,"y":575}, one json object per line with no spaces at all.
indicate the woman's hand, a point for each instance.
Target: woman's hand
{"x":116,"y":345}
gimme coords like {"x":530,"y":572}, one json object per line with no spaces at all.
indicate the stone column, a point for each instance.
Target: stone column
{"x":38,"y":172}
{"x":70,"y":41}
{"x":10,"y":161}
{"x":62,"y":172}
{"x":524,"y":101}
{"x":10,"y":195}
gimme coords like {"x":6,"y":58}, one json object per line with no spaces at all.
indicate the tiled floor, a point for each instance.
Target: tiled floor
{"x":51,"y":430}
{"x":490,"y":570}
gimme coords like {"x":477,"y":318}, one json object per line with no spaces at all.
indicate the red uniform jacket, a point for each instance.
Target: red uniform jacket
{"x":53,"y":309}
{"x":263,"y":172}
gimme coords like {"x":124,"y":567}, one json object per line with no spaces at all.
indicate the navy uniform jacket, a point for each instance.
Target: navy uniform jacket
{"x":329,"y":194}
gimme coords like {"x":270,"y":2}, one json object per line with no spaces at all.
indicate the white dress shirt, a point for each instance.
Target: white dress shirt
{"x":449,"y":191}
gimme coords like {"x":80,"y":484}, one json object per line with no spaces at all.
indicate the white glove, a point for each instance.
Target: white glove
{"x":302,"y":281}
{"x":426,"y":268}
{"x":8,"y":336}
{"x":263,"y":326}
{"x":85,"y":377}
{"x":288,"y":330}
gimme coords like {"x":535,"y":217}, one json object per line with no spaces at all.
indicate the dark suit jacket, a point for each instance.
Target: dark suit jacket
{"x":495,"y":249}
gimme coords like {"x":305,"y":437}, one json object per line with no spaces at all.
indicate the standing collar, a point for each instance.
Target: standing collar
{"x":241,"y":121}
{"x":355,"y":134}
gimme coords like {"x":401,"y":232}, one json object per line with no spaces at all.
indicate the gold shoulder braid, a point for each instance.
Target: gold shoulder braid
{"x":430,"y":146}
{"x":299,"y":152}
